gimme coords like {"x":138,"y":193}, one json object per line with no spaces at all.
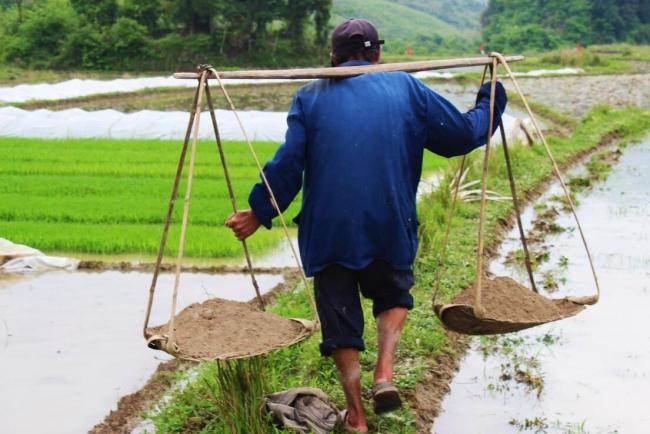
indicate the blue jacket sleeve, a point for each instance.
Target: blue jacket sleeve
{"x":452,"y":133}
{"x":284,"y":171}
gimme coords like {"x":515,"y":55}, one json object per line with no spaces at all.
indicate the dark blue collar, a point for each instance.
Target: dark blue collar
{"x":355,"y":63}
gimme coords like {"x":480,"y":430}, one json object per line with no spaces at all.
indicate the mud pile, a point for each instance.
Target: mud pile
{"x":506,"y":300}
{"x":219,"y":329}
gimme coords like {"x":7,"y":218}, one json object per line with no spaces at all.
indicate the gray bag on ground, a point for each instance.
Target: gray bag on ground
{"x":303,"y":409}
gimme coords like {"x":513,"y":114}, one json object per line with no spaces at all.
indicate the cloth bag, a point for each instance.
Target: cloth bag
{"x":303,"y":409}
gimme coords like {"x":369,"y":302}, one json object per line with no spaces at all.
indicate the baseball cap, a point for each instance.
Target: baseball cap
{"x":353,"y":35}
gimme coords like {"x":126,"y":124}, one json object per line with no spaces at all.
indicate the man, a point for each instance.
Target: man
{"x":355,"y":146}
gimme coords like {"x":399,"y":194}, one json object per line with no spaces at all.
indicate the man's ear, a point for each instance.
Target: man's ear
{"x":377,"y":56}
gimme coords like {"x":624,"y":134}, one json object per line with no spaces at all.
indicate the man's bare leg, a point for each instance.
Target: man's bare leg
{"x":347,"y":362}
{"x":389,"y":329}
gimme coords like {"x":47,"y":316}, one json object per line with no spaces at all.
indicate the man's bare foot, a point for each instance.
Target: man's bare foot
{"x":350,"y":423}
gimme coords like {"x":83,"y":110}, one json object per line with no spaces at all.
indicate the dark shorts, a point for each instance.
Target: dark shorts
{"x":339,"y":305}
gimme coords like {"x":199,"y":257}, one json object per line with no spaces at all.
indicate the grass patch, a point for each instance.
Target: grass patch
{"x":110,"y":196}
{"x":591,"y":62}
{"x":423,"y":338}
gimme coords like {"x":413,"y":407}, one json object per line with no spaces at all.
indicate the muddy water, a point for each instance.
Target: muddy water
{"x":587,"y":374}
{"x":71,"y":343}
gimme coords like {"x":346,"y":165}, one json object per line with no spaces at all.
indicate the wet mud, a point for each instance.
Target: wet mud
{"x":578,"y":95}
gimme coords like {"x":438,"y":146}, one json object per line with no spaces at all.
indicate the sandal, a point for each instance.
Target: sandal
{"x":385,"y":397}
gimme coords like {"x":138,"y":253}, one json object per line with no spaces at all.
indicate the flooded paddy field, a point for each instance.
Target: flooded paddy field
{"x":589,"y":373}
{"x":71,"y":342}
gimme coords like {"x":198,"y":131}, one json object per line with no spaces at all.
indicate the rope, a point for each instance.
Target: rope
{"x":168,"y":216}
{"x":274,"y":202}
{"x":515,"y":204}
{"x":558,"y":174}
{"x":186,"y":210}
{"x":450,"y":216}
{"x":231,"y":193}
{"x":478,"y":307}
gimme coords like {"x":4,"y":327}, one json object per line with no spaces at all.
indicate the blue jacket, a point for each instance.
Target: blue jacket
{"x":355,"y":146}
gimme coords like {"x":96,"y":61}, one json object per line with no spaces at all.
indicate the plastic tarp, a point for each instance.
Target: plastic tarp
{"x":81,"y":87}
{"x":150,"y":124}
{"x":17,"y":258}
{"x":145,"y":124}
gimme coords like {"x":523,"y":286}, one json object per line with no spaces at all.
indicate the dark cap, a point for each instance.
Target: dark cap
{"x":353,"y":35}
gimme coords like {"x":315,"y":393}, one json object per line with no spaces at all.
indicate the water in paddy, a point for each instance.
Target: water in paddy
{"x":587,"y":374}
{"x":71,"y":342}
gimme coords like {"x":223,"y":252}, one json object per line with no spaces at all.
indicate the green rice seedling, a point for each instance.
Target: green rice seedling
{"x":238,"y":393}
{"x":110,"y":196}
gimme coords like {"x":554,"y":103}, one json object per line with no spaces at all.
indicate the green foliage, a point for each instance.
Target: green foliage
{"x":524,"y":37}
{"x":40,"y":34}
{"x":127,"y":40}
{"x":147,"y":13}
{"x":96,"y":12}
{"x":163,"y":34}
{"x":516,"y":25}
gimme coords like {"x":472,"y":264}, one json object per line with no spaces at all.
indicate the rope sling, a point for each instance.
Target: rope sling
{"x":467,"y":313}
{"x":165,"y":337}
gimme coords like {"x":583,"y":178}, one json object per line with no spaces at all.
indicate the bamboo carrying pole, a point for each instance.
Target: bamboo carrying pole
{"x":349,"y":71}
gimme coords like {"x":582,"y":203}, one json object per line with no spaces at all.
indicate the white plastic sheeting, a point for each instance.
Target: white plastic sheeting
{"x":9,"y":250}
{"x":543,"y":72}
{"x":17,"y":258}
{"x":77,"y":87}
{"x":434,"y":74}
{"x":149,"y":124}
{"x":39,"y":263}
{"x":145,"y":124}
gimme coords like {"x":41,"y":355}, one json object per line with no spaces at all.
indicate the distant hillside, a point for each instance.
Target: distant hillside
{"x":516,"y":25}
{"x":422,"y":23}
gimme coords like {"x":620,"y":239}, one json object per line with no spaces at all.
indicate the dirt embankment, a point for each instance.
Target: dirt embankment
{"x":576,"y":95}
{"x":147,"y":267}
{"x":129,"y":408}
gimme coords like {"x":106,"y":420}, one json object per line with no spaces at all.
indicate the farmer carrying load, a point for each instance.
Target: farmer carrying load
{"x":355,"y":147}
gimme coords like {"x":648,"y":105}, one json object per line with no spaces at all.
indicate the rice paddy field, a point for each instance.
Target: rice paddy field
{"x":110,"y":196}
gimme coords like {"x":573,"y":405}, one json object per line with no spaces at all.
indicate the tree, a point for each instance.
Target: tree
{"x":128,"y":40}
{"x":40,"y":35}
{"x":147,"y":13}
{"x":98,"y":12}
{"x":606,"y":22}
{"x":196,"y":15}
{"x":322,"y":16}
{"x":563,"y":21}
